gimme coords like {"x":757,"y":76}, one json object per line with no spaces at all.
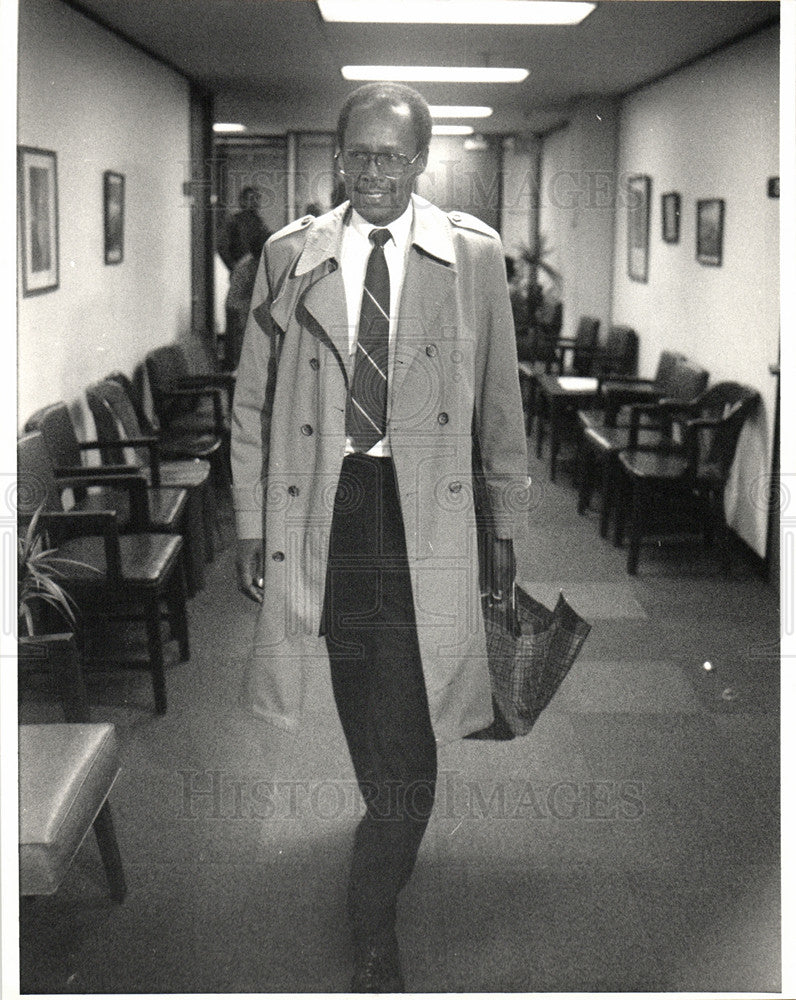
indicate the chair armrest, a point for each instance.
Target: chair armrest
{"x":83,"y":524}
{"x":220,"y":380}
{"x":89,"y":471}
{"x":151,"y":443}
{"x":631,"y":380}
{"x":134,"y":485}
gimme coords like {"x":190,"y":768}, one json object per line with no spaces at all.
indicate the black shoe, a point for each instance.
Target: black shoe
{"x":378,"y":970}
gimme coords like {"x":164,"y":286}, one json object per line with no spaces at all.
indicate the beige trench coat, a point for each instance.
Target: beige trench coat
{"x":453,"y":356}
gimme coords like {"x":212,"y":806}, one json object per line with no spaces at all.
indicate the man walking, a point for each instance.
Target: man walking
{"x":380,"y":339}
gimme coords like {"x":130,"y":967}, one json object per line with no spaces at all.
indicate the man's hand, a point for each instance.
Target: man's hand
{"x":249,"y":567}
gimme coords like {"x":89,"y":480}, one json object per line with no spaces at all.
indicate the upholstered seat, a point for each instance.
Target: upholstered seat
{"x":66,"y":771}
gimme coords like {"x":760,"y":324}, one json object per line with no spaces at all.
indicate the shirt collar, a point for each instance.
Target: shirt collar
{"x":400,"y":228}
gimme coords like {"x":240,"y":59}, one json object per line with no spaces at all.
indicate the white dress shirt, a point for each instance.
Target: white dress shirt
{"x":354,"y":261}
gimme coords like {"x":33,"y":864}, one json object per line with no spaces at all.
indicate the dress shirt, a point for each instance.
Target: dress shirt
{"x":354,"y":261}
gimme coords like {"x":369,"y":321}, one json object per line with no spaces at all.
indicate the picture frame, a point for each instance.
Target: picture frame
{"x":38,"y":219}
{"x":638,"y":190}
{"x":113,"y":215}
{"x":710,"y":231}
{"x":670,"y":217}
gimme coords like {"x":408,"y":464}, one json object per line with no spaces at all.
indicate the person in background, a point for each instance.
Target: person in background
{"x":239,"y":296}
{"x":242,"y":229}
{"x":314,"y":209}
{"x":380,"y":335}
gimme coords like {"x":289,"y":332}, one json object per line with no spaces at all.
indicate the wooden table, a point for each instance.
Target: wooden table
{"x":558,"y":398}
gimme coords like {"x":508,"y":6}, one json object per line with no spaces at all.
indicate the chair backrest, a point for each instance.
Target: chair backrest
{"x":620,"y":356}
{"x":585,"y":344}
{"x":667,"y":364}
{"x":688,"y":381}
{"x":731,"y":404}
{"x":105,"y":399}
{"x":165,"y":367}
{"x":38,"y":486}
{"x":58,"y":432}
{"x":547,"y":330}
{"x":134,"y":397}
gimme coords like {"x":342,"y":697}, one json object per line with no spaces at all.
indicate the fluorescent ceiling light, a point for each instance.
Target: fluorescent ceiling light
{"x":452,"y":129}
{"x":436,"y":74}
{"x":459,"y":111}
{"x":228,"y":127}
{"x":456,"y":11}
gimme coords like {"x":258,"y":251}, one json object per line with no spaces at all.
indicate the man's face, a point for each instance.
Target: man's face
{"x":379,"y":198}
{"x":250,"y":201}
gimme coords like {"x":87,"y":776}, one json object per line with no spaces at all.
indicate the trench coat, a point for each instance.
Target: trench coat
{"x":452,"y":373}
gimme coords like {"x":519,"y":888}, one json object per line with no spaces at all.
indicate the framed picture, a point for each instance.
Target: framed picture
{"x":670,"y":217}
{"x":710,"y":231}
{"x":113,"y":200}
{"x":38,"y":219}
{"x":638,"y":226}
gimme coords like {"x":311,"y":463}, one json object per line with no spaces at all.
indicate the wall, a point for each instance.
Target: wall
{"x":464,"y":180}
{"x":711,"y":131}
{"x":102,"y":105}
{"x":576,"y":209}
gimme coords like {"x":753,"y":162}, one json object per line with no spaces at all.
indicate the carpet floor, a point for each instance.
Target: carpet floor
{"x":629,"y":843}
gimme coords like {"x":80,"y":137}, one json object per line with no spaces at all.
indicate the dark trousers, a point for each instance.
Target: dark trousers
{"x":379,"y":688}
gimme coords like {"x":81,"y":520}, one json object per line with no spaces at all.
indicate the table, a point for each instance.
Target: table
{"x":559,"y":397}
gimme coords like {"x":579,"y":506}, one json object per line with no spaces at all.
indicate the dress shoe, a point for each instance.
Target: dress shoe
{"x":378,"y":970}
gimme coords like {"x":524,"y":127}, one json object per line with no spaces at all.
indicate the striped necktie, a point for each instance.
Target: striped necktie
{"x":366,"y":407}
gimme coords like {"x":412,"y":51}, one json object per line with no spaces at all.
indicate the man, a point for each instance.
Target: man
{"x":243,"y":229}
{"x":380,"y":337}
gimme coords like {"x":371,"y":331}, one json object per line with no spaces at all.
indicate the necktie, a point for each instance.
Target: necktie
{"x":366,"y":407}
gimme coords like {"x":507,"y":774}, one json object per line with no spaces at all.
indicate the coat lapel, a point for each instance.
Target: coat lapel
{"x":319,"y":300}
{"x":429,"y":284}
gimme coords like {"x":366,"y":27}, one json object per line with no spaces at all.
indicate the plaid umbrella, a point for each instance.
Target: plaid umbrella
{"x":528,"y":658}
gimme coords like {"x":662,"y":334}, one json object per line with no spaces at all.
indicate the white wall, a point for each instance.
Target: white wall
{"x":711,"y":131}
{"x":576,"y":209}
{"x":102,"y":105}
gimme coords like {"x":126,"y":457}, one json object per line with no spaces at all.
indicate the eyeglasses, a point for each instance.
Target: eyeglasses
{"x":354,"y":161}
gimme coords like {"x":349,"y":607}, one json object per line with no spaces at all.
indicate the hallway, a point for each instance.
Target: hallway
{"x":629,"y":843}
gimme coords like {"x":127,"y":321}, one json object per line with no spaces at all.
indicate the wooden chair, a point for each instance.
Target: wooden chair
{"x":618,"y":357}
{"x":681,"y":486}
{"x":584,"y":347}
{"x":109,"y":574}
{"x":120,"y":436}
{"x":603,"y":437}
{"x":66,"y":772}
{"x":194,"y":403}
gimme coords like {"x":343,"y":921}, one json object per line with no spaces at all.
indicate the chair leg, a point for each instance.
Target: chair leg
{"x":608,"y":490}
{"x":210,"y":515}
{"x":585,"y":473}
{"x":155,"y":647}
{"x":109,"y":852}
{"x":178,"y":618}
{"x":195,"y":544}
{"x":636,"y":516}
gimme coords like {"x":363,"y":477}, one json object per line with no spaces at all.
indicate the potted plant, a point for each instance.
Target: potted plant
{"x":39,"y":571}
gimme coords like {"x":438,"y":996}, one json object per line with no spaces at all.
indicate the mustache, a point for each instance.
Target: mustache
{"x":389,"y":186}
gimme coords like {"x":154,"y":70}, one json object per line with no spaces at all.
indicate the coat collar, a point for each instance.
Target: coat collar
{"x":431,"y":233}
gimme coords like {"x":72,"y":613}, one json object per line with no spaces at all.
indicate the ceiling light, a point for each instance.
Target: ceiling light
{"x":452,"y":130}
{"x":459,"y":111}
{"x":456,"y":11}
{"x":436,"y":74}
{"x":228,"y":127}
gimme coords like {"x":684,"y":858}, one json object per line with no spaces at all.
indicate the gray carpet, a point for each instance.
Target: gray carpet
{"x":629,"y":843}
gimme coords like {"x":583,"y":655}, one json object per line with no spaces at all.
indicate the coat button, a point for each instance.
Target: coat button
{"x":332,"y":266}
{"x":455,"y":487}
{"x":278,"y":556}
{"x":306,"y":430}
{"x":293,"y":491}
{"x":315,"y":364}
{"x":432,"y":351}
{"x":442,"y":418}
{"x":456,"y":216}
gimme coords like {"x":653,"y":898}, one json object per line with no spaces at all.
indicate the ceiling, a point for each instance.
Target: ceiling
{"x":275,"y":65}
